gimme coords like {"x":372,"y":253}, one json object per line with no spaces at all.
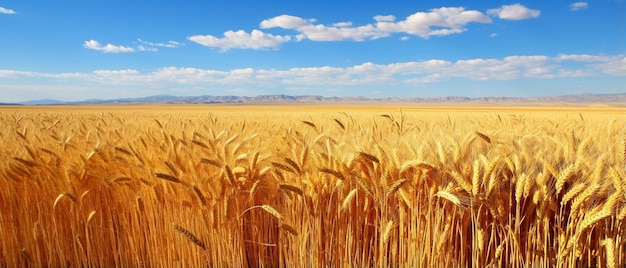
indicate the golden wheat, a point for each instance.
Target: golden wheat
{"x":323,"y":186}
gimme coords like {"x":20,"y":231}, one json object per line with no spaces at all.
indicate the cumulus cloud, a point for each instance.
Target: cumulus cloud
{"x":578,"y":6}
{"x":612,"y":65}
{"x":586,"y":58}
{"x":6,"y":11}
{"x":365,"y":74}
{"x":312,"y":79}
{"x":286,"y":22}
{"x":435,"y":22}
{"x":185,"y":75}
{"x":319,"y":32}
{"x":110,"y":73}
{"x":387,"y":18}
{"x":241,"y":39}
{"x":142,"y":46}
{"x":513,"y":12}
{"x":616,"y":67}
{"x":108,"y":48}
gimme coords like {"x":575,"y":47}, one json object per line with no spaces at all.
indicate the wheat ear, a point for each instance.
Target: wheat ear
{"x":348,"y":199}
{"x":189,"y":235}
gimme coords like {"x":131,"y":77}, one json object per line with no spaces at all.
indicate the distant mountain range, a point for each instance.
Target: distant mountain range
{"x":568,"y":100}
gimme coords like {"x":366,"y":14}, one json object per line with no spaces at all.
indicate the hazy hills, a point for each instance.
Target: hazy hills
{"x":568,"y":100}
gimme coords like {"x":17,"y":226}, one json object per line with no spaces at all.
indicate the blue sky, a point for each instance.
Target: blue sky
{"x":77,"y":50}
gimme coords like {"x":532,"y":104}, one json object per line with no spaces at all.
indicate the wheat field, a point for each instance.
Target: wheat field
{"x":316,"y":186}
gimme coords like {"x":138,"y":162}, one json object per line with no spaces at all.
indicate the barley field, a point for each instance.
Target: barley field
{"x":315,"y":186}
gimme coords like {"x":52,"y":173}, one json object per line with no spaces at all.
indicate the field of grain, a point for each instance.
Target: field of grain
{"x":320,"y":186}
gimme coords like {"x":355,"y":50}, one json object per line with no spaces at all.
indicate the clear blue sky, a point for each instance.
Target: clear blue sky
{"x":77,"y":50}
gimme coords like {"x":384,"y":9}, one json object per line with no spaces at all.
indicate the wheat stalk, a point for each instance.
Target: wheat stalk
{"x":337,"y":174}
{"x":167,"y":177}
{"x":199,"y":194}
{"x":361,"y":182}
{"x":369,"y":157}
{"x":211,"y":162}
{"x":387,"y":231}
{"x":457,"y":200}
{"x":564,"y":176}
{"x":289,"y":229}
{"x":573,"y":192}
{"x":69,"y":196}
{"x":294,"y":165}
{"x":140,"y":205}
{"x":310,"y":124}
{"x":465,"y":184}
{"x":609,"y":246}
{"x":283,"y":167}
{"x":90,"y":216}
{"x":253,"y":189}
{"x":229,"y":174}
{"x":340,"y":124}
{"x":476,"y":180}
{"x":395,"y":186}
{"x":483,"y":137}
{"x":267,"y":208}
{"x":291,"y":188}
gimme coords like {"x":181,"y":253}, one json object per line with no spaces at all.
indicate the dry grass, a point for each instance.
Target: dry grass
{"x":314,"y":186}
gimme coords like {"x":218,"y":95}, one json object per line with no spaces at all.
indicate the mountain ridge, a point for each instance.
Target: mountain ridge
{"x":618,"y":99}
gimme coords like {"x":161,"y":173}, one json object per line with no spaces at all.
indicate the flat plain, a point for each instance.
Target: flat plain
{"x":313,"y":186}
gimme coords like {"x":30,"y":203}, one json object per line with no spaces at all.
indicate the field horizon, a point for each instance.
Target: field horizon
{"x":578,"y":100}
{"x":381,"y":106}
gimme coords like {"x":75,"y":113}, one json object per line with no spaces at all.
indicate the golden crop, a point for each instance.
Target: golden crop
{"x":312,"y":187}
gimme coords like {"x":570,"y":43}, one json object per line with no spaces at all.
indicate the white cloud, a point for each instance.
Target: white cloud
{"x":578,"y":6}
{"x":186,"y":75}
{"x":336,"y":33}
{"x":168,"y":44}
{"x":387,"y":18}
{"x":146,"y":48}
{"x":574,"y":73}
{"x":615,"y":67}
{"x":14,"y":73}
{"x":109,"y":48}
{"x":143,"y":46}
{"x":112,"y":73}
{"x":514,"y":12}
{"x":343,"y":24}
{"x":528,"y":61}
{"x":493,"y":35}
{"x":285,"y":22}
{"x":241,"y":39}
{"x":418,"y":67}
{"x":436,"y":22}
{"x":586,"y":58}
{"x":6,"y":11}
{"x":366,"y":74}
{"x":319,"y":32}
